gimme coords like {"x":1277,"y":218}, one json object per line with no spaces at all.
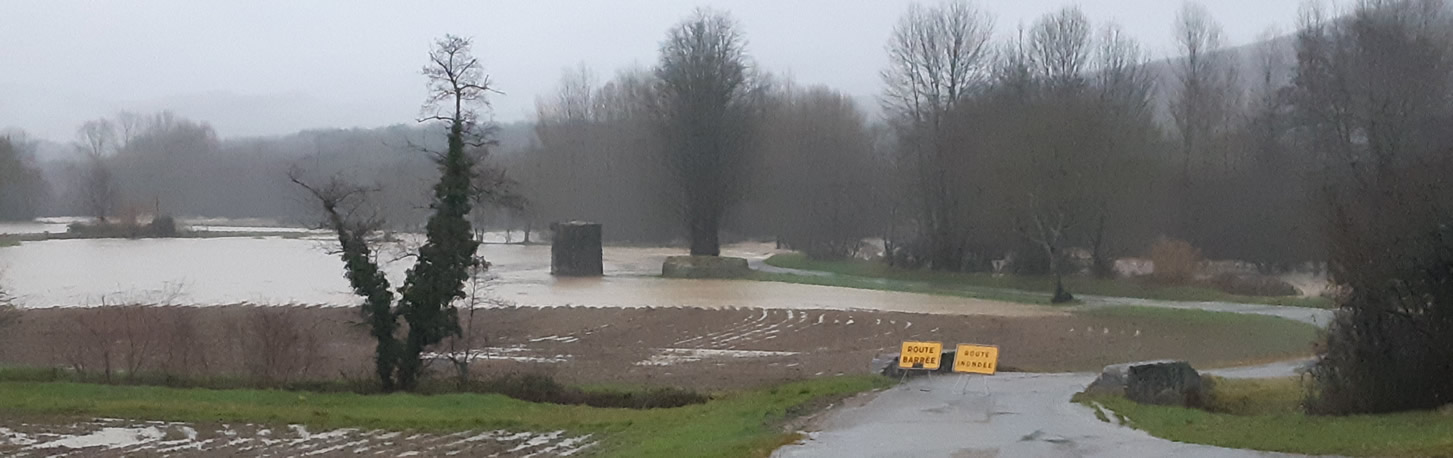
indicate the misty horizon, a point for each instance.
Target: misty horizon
{"x":332,"y":65}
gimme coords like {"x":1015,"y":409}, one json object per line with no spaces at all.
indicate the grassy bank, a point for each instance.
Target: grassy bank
{"x":1278,"y":338}
{"x":883,"y":284}
{"x":1266,"y":415}
{"x":876,"y":275}
{"x":745,"y":423}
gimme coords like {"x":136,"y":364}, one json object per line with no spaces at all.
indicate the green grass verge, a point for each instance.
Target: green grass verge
{"x":1265,"y":414}
{"x":1279,"y":338}
{"x":8,"y":242}
{"x":848,"y":281}
{"x":745,"y":423}
{"x":988,"y":286}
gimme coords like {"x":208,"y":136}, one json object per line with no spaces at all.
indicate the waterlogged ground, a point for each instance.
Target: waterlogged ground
{"x":122,"y":438}
{"x":303,"y":270}
{"x":706,"y":349}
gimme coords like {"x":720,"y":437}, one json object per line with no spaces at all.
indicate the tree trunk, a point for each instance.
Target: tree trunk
{"x":704,"y":241}
{"x":1060,"y":294}
{"x":1102,"y":268}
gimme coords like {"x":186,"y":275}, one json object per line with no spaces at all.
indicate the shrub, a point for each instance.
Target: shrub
{"x":535,"y":387}
{"x":1390,"y":347}
{"x":162,"y":226}
{"x":1176,"y":261}
{"x":113,"y":339}
{"x":1253,"y":285}
{"x":279,"y":345}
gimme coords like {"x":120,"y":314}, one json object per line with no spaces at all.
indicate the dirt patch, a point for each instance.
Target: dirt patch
{"x":130,"y":438}
{"x":701,"y":349}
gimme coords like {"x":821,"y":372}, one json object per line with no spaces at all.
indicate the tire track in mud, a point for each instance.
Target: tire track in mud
{"x":121,"y":438}
{"x":675,"y":336}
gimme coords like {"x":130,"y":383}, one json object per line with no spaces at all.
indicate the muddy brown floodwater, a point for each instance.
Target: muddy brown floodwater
{"x":277,"y":270}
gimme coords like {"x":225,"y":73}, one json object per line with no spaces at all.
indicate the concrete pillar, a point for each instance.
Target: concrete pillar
{"x":575,"y":249}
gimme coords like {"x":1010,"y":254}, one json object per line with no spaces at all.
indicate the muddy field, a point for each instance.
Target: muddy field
{"x":696,"y":348}
{"x":130,"y":438}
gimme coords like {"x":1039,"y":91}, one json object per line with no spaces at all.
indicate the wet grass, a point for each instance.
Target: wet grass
{"x":876,"y":275}
{"x":1266,"y":414}
{"x":742,"y":423}
{"x":525,"y":386}
{"x":880,"y":284}
{"x":1273,"y":338}
{"x":1244,"y":339}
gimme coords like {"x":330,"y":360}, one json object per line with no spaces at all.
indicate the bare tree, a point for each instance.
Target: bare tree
{"x":1206,"y":97}
{"x":707,"y":101}
{"x":9,"y":313}
{"x":1062,"y":45}
{"x":97,"y":189}
{"x":604,"y":162}
{"x":1125,"y":90}
{"x":937,"y":56}
{"x":22,"y":186}
{"x":129,"y":126}
{"x":817,"y":185}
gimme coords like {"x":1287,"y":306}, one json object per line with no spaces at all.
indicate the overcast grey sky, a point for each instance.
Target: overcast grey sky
{"x":277,"y":66}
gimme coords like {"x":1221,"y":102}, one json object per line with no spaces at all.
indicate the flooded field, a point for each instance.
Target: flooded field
{"x":40,"y":226}
{"x":290,"y":270}
{"x":107,"y":437}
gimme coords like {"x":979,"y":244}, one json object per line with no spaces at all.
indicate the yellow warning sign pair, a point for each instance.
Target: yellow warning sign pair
{"x":973,"y":359}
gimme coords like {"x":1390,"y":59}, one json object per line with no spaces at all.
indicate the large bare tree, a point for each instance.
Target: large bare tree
{"x":817,"y":172}
{"x":708,"y":98}
{"x":96,"y":139}
{"x":937,"y":56}
{"x":1207,"y":95}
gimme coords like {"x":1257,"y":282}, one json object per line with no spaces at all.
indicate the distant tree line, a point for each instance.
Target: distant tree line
{"x":23,"y":189}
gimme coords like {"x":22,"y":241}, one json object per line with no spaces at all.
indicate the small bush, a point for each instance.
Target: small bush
{"x":1176,"y":261}
{"x":160,"y":226}
{"x":280,"y":345}
{"x":1253,"y":285}
{"x":545,"y":389}
{"x":1390,"y":347}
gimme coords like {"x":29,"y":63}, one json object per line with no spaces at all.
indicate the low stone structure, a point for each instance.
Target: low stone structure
{"x":705,"y":267}
{"x":1152,"y":382}
{"x":575,"y":249}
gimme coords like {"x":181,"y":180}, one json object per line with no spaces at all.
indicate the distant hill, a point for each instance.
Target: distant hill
{"x":1247,"y":59}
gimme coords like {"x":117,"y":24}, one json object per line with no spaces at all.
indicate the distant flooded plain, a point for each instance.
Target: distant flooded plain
{"x":280,"y":270}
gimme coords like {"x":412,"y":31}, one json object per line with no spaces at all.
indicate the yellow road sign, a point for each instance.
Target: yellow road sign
{"x":976,"y":359}
{"x":920,"y":355}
